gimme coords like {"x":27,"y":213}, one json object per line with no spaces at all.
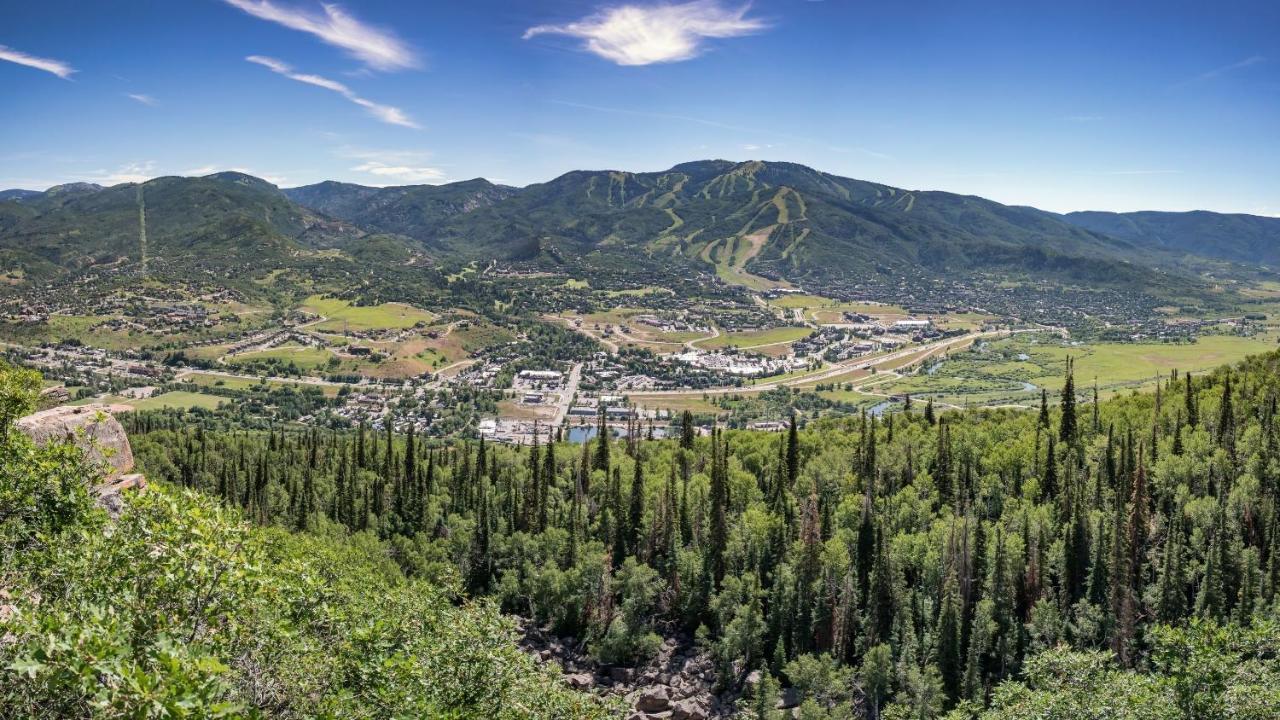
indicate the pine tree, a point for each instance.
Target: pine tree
{"x":1226,"y":420}
{"x":1067,"y":424}
{"x":601,"y":459}
{"x":880,"y":607}
{"x":719,"y":511}
{"x":1192,"y":403}
{"x":686,"y":431}
{"x":635,"y":516}
{"x":1170,"y":595}
{"x":950,"y":660}
{"x":793,"y":454}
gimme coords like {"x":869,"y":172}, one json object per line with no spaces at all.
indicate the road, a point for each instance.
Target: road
{"x":566,"y":397}
{"x":925,"y":351}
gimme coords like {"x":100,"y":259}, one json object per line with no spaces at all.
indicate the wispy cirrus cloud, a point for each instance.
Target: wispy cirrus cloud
{"x":386,"y":113}
{"x":144,"y":99}
{"x":640,"y":35}
{"x":1218,"y":72}
{"x":49,"y":65}
{"x":376,"y":48}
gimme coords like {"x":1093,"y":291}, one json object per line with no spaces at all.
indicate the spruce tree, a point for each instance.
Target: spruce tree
{"x":1067,"y":423}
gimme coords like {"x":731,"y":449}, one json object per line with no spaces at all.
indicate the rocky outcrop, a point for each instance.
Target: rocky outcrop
{"x":678,"y":684}
{"x":101,"y":438}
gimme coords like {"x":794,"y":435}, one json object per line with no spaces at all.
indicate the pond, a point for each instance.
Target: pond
{"x":583,"y":433}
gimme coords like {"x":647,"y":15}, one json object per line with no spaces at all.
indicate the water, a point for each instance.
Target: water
{"x":880,"y":408}
{"x":584,"y":433}
{"x":1029,"y":387}
{"x":581,"y":434}
{"x":934,"y":367}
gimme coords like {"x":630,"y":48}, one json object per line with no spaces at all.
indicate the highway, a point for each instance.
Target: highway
{"x":924,"y":350}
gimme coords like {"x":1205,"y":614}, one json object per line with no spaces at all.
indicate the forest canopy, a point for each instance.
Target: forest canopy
{"x":1090,"y":559}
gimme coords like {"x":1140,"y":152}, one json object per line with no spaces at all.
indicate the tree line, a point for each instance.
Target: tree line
{"x":914,"y":564}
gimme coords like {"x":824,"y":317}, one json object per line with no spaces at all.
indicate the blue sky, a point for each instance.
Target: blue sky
{"x":1062,"y":105}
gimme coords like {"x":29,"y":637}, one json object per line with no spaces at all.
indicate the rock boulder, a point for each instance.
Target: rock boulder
{"x":89,"y":427}
{"x":99,"y":436}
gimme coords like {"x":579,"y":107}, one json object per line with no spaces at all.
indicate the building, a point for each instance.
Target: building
{"x":546,"y":375}
{"x":912,"y":324}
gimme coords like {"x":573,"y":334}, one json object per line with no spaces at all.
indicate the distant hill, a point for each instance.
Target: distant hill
{"x":17,"y":194}
{"x":412,"y":210}
{"x":226,"y":216}
{"x":1233,"y":237}
{"x":776,"y":219}
{"x":744,"y":222}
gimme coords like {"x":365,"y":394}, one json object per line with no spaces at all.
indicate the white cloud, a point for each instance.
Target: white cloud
{"x":377,"y":48}
{"x":636,"y":35}
{"x":401,"y":173}
{"x":134,"y":172}
{"x":385,"y":113}
{"x":144,"y":99}
{"x":49,"y":65}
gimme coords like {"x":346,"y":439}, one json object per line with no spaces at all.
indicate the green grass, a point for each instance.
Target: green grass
{"x":995,"y":375}
{"x":387,"y":316}
{"x":178,"y":399}
{"x":303,"y":357}
{"x":756,"y":337}
{"x":243,"y":384}
{"x":801,"y":301}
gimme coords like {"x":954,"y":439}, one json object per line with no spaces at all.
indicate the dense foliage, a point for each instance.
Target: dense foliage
{"x":927,"y":561}
{"x":179,"y":609}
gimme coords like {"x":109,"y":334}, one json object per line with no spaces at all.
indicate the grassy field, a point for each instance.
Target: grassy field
{"x":387,"y":316}
{"x":306,"y":358}
{"x":674,"y":403}
{"x":755,"y":337}
{"x":421,"y":354}
{"x":179,"y":399}
{"x":802,"y":300}
{"x":1013,"y":370}
{"x":234,"y":383}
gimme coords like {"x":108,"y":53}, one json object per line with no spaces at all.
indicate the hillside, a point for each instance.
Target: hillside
{"x":1085,"y":560}
{"x":412,"y":210}
{"x":779,"y":220}
{"x":179,"y":608}
{"x":751,"y":223}
{"x":221,"y":218}
{"x":1231,"y":237}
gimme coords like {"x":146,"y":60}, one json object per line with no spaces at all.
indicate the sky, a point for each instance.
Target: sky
{"x":1065,"y":106}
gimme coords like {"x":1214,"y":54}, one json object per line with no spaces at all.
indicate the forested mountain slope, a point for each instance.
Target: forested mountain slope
{"x":412,"y":210}
{"x":1233,"y":237}
{"x":771,"y":219}
{"x":181,"y":609}
{"x":777,"y":218}
{"x":908,"y":565}
{"x":218,"y":218}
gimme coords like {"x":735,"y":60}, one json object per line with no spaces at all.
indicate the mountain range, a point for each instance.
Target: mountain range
{"x":741,"y":220}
